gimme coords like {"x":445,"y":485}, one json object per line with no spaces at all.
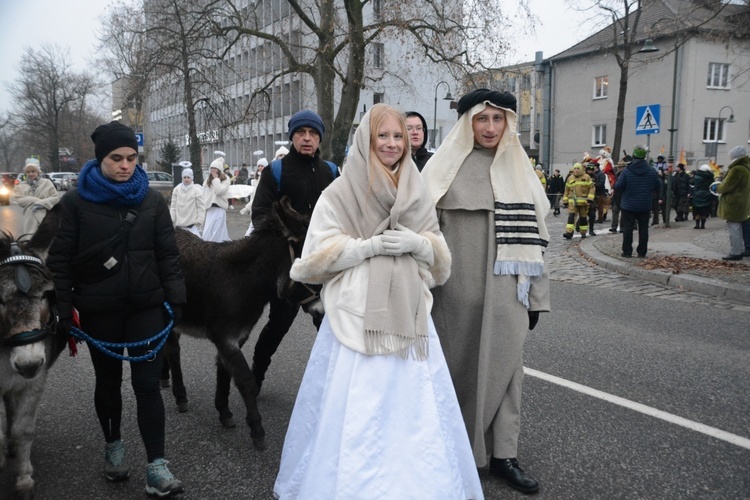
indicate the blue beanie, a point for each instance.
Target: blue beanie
{"x":306,"y":118}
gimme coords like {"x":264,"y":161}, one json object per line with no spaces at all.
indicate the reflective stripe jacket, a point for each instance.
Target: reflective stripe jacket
{"x":579,"y":190}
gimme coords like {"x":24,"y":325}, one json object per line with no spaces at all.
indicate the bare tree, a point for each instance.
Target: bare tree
{"x":50,"y":99}
{"x":333,"y":41}
{"x":170,"y":47}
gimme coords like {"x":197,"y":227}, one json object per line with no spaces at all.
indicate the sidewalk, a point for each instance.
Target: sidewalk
{"x":679,"y":256}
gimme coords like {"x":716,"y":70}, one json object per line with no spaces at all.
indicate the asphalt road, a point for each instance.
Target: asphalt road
{"x":685,"y":359}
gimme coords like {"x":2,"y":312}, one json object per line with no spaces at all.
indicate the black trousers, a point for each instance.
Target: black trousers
{"x":628,"y":222}
{"x":281,"y":315}
{"x":128,"y":326}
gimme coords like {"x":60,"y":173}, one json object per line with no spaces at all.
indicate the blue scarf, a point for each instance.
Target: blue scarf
{"x":94,"y":186}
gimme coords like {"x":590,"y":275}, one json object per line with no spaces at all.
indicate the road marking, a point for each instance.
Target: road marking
{"x":647,"y":410}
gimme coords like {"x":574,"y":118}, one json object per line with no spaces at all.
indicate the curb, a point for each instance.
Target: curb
{"x":687,"y":281}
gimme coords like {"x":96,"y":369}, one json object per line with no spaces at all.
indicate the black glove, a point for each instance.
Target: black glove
{"x":64,"y":325}
{"x":533,"y":319}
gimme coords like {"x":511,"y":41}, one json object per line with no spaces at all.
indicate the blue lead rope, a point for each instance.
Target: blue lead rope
{"x":106,"y":347}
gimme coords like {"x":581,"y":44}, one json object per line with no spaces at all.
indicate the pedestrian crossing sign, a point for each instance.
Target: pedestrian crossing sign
{"x":647,"y":119}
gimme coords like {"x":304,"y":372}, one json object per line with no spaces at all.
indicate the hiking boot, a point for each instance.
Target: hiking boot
{"x":161,"y":482}
{"x":567,"y":235}
{"x":114,"y":461}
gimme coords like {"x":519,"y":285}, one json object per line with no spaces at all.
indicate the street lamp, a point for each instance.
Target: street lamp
{"x":718,"y":128}
{"x":448,"y":97}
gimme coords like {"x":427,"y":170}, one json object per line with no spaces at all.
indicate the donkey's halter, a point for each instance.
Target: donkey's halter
{"x":314,"y":295}
{"x":23,"y":282}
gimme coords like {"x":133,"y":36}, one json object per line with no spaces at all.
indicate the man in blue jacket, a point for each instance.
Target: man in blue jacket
{"x":638,"y":184}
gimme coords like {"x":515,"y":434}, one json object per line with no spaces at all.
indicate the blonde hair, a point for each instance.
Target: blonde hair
{"x":378,"y":114}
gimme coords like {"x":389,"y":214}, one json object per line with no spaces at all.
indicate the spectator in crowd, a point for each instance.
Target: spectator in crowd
{"x":578,"y":197}
{"x":416,"y":126}
{"x":35,"y":195}
{"x":491,"y":209}
{"x":734,"y":203}
{"x":187,"y":207}
{"x":376,"y":399}
{"x":680,"y":193}
{"x":303,"y":176}
{"x":700,"y":196}
{"x":120,"y":303}
{"x":616,"y":197}
{"x":637,"y":183}
{"x":658,"y":202}
{"x":555,"y":190}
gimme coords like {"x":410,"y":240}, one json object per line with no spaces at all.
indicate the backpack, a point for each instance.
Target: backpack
{"x":276,"y":171}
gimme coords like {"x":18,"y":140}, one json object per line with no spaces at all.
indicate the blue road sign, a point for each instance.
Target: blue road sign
{"x":139,"y":136}
{"x":647,"y":119}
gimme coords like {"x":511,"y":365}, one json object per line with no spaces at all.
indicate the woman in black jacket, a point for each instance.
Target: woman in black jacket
{"x":122,"y":300}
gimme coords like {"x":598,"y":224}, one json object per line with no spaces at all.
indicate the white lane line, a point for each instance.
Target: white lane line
{"x":647,"y":410}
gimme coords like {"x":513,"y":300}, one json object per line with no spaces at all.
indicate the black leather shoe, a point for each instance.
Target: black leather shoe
{"x":732,"y":257}
{"x":567,"y":235}
{"x":612,"y":230}
{"x":625,"y":255}
{"x":508,"y":469}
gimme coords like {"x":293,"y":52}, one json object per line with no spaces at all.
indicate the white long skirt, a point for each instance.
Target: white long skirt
{"x":215,"y":228}
{"x":376,"y":427}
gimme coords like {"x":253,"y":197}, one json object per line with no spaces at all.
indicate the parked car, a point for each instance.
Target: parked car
{"x":7,"y":183}
{"x":61,"y":180}
{"x":161,"y":181}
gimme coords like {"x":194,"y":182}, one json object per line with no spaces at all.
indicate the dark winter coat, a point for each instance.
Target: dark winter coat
{"x":681,"y":185}
{"x":734,"y":203}
{"x":421,"y":155}
{"x":150,"y":273}
{"x":556,"y":184}
{"x":637,"y":183}
{"x":701,"y":195}
{"x":303,"y":178}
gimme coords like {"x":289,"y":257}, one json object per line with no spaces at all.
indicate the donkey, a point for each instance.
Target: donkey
{"x":228,"y":285}
{"x":28,"y":343}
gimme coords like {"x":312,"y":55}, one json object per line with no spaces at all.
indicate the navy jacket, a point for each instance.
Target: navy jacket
{"x":638,"y":183}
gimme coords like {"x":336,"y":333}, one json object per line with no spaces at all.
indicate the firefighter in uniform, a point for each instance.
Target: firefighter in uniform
{"x":579,"y":195}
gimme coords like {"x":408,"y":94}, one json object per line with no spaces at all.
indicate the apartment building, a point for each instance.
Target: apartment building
{"x":395,"y":75}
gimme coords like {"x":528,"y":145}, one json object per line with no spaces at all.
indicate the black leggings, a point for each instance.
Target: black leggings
{"x":128,"y":326}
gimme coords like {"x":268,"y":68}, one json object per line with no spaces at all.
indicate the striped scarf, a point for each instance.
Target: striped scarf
{"x":520,"y":202}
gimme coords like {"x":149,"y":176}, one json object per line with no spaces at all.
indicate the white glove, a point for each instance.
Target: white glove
{"x":377,"y":245}
{"x":401,"y":240}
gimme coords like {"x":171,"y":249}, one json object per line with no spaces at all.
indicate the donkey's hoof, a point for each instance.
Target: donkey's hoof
{"x":228,"y":422}
{"x":259,"y":443}
{"x":182,"y":406}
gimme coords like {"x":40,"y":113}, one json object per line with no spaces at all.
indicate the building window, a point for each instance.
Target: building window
{"x":377,"y":98}
{"x":599,"y":136}
{"x":718,"y":76}
{"x":600,"y":87}
{"x":713,"y":130}
{"x":377,"y":55}
{"x":377,"y":6}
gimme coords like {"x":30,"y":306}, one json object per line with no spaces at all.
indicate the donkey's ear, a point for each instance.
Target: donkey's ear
{"x":45,"y":234}
{"x":294,"y":225}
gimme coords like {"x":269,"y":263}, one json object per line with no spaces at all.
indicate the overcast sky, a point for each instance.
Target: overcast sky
{"x":72,"y":24}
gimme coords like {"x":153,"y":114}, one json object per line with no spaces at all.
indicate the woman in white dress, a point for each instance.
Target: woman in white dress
{"x":376,"y":415}
{"x":215,"y":189}
{"x":188,"y":208}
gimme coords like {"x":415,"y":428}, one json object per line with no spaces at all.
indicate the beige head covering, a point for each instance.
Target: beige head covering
{"x":520,"y":201}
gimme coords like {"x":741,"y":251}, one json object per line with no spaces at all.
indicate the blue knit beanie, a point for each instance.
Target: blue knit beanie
{"x":306,"y":118}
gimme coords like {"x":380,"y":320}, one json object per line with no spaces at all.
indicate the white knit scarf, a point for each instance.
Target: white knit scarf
{"x":367,"y":203}
{"x":520,"y":202}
